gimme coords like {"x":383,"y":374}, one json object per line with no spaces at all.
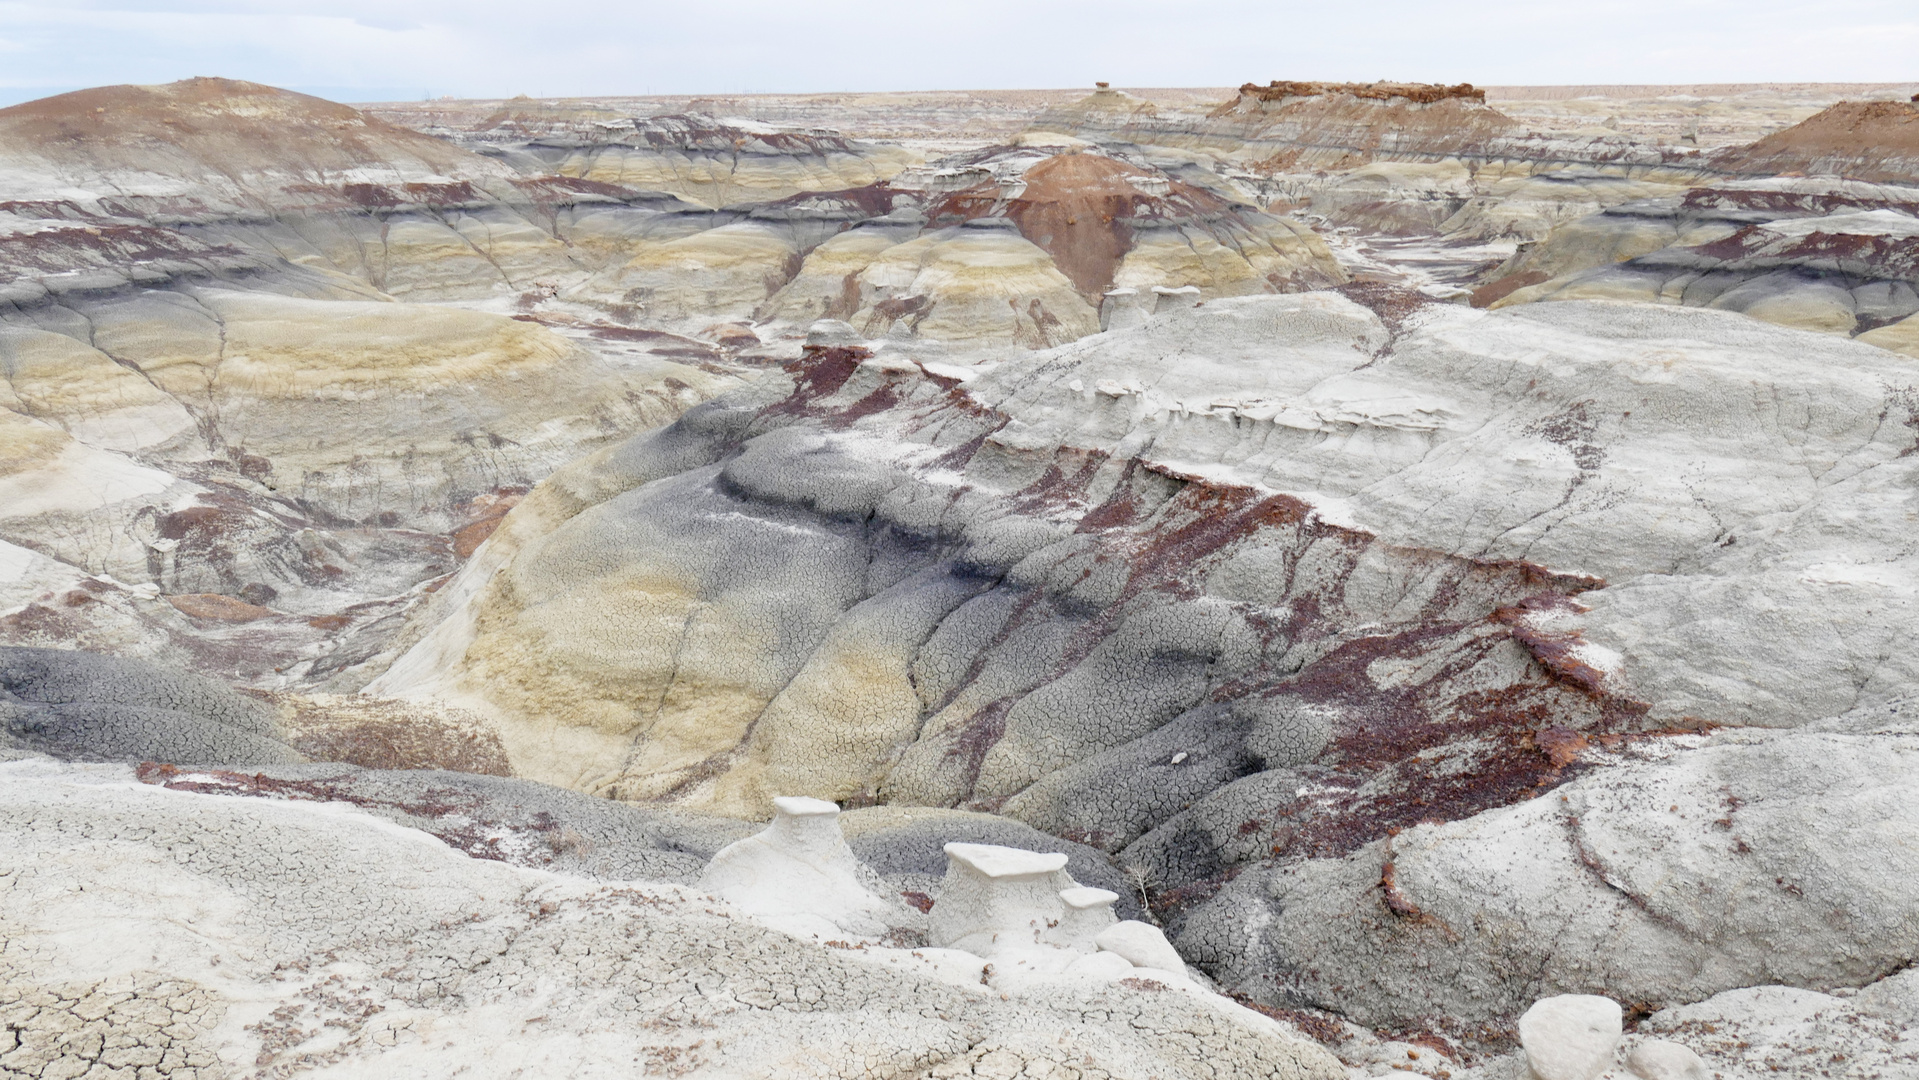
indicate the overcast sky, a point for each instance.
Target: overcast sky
{"x":363,"y":50}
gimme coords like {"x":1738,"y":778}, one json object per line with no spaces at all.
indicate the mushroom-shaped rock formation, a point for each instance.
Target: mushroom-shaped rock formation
{"x":799,"y":874}
{"x":1006,"y":905}
{"x":1085,"y":913}
{"x":1570,"y":1036}
{"x":997,"y":898}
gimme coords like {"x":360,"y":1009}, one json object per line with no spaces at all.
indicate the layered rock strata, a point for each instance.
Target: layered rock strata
{"x":713,"y":161}
{"x":1011,"y":246}
{"x":1830,"y":255}
{"x":1393,"y":157}
{"x":229,"y":444}
{"x":1242,"y":624}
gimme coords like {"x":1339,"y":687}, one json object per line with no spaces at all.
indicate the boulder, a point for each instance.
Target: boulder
{"x":1142,"y":945}
{"x":1571,"y":1036}
{"x":1660,"y":1059}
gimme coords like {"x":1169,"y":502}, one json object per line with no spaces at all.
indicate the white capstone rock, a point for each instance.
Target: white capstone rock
{"x":1087,"y":913}
{"x":798,"y":873}
{"x":1171,"y":299}
{"x":1571,"y":1036}
{"x":996,"y":898}
{"x":1142,"y":945}
{"x":1659,"y":1059}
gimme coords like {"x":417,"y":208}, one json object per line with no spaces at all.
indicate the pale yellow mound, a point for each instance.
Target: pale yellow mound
{"x":986,"y":286}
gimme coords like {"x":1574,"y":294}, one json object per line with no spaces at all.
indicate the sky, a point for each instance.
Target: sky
{"x":383,"y":50}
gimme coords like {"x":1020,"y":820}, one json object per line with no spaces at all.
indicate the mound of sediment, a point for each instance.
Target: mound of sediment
{"x":1245,"y":592}
{"x":1839,"y":256}
{"x":211,"y":131}
{"x":716,"y":161}
{"x":1859,"y":140}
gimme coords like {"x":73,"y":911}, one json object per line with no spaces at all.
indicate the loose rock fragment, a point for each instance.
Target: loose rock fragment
{"x":1571,"y":1036}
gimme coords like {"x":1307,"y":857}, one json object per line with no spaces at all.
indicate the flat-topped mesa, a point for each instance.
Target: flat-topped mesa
{"x":997,"y":898}
{"x":1378,"y":117}
{"x":1417,"y":93}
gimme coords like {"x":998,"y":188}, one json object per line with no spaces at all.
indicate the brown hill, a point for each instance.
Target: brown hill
{"x":203,"y":126}
{"x":1862,"y":140}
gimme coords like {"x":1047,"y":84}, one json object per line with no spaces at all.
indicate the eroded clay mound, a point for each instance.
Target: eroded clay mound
{"x":1008,"y":246}
{"x":1204,"y":600}
{"x":1835,"y":256}
{"x":714,"y":161}
{"x":1876,"y":141}
{"x":87,"y":707}
{"x":208,"y":131}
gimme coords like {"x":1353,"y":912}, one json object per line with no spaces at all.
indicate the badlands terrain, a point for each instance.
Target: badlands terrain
{"x":1310,"y":581}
